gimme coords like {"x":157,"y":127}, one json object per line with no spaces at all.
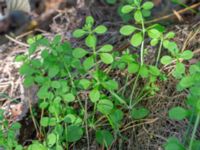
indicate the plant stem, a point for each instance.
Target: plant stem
{"x":95,"y":58}
{"x":159,"y":52}
{"x":123,"y":92}
{"x":194,"y":131}
{"x":133,"y":89}
{"x":86,"y":125}
{"x":93,"y":113}
{"x":73,"y":85}
{"x":189,"y":127}
{"x":139,"y":99}
{"x":118,"y":97}
{"x":142,"y":45}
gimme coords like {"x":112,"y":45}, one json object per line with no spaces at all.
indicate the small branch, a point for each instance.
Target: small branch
{"x":16,"y":41}
{"x":172,"y":14}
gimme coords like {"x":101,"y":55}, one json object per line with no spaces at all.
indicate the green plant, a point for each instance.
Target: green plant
{"x":63,"y":74}
{"x":190,"y":82}
{"x":77,"y":95}
{"x":8,"y":139}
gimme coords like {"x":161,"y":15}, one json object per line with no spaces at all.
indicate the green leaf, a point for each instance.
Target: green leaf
{"x":133,"y":67}
{"x":127,"y":9}
{"x":26,"y":69}
{"x":187,"y":55}
{"x":88,"y":63}
{"x":51,"y":139}
{"x":52,"y":121}
{"x":138,"y":16}
{"x":15,"y":126}
{"x":139,"y":113}
{"x":18,"y":147}
{"x":154,"y":42}
{"x":146,"y":13}
{"x":147,"y":5}
{"x":90,"y":21}
{"x":73,"y":133}
{"x":106,"y":58}
{"x":72,"y":119}
{"x":154,"y":70}
{"x":170,"y":35}
{"x":36,"y":63}
{"x":44,"y":121}
{"x":143,"y":71}
{"x":94,"y":95}
{"x":178,"y":113}
{"x":127,"y":30}
{"x":53,"y":71}
{"x":85,"y":83}
{"x":154,"y":34}
{"x":136,"y":2}
{"x":69,"y":97}
{"x":28,"y":81}
{"x":79,"y":33}
{"x":100,"y":29}
{"x":173,"y":48}
{"x":106,"y":48}
{"x":186,"y":82}
{"x":196,"y":145}
{"x":57,"y":39}
{"x":173,"y":144}
{"x":110,"y":85}
{"x":116,"y":117}
{"x":55,"y":84}
{"x":32,"y":48}
{"x":194,"y":69}
{"x":166,"y":44}
{"x":37,"y":146}
{"x":165,"y":60}
{"x":91,"y":41}
{"x":42,"y":92}
{"x":79,"y":52}
{"x":111,"y":1}
{"x":43,"y":105}
{"x":104,"y":137}
{"x":136,"y":39}
{"x":105,"y":106}
{"x":179,"y":70}
{"x":20,"y":58}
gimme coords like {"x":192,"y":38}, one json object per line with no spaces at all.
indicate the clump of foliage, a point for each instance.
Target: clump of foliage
{"x":78,"y":96}
{"x":189,"y":82}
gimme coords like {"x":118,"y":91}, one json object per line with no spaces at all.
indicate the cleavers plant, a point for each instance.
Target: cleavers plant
{"x":78,"y":96}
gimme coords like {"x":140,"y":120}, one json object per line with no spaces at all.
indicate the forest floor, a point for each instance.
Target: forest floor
{"x":146,"y":134}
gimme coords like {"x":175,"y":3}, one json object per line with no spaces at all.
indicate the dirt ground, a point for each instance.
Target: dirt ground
{"x":148,"y":134}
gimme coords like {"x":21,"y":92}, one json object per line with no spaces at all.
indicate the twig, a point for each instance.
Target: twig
{"x":190,"y":37}
{"x":149,"y":121}
{"x":172,"y":14}
{"x":24,"y":34}
{"x":16,"y":41}
{"x":196,"y":51}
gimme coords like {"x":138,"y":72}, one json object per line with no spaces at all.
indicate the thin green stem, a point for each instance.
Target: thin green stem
{"x":159,"y":52}
{"x":188,"y":131}
{"x":194,"y":132}
{"x":142,"y":45}
{"x":139,"y":99}
{"x":142,"y":53}
{"x":133,"y":89}
{"x":93,"y":113}
{"x":73,"y":85}
{"x":118,"y":97}
{"x":123,"y":92}
{"x":95,"y":58}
